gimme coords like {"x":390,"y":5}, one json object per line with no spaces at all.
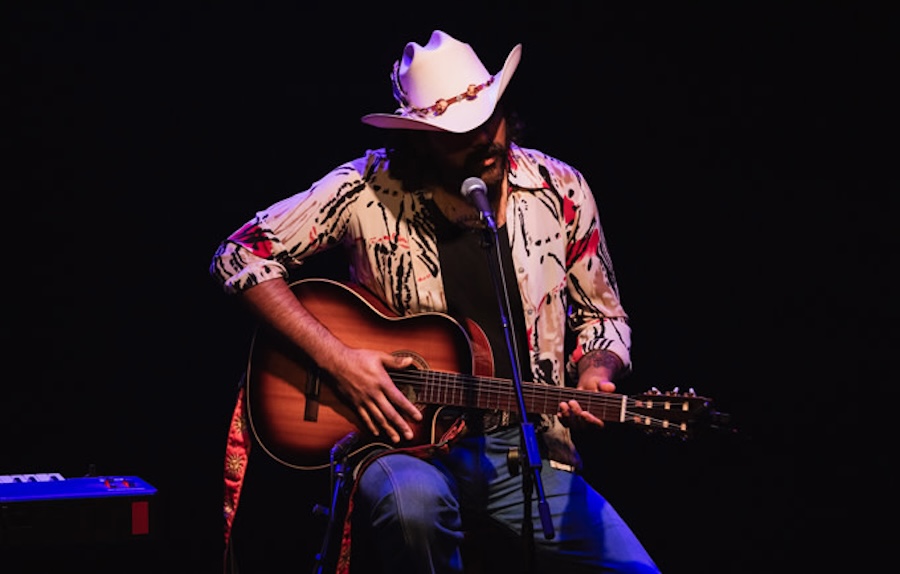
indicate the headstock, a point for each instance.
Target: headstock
{"x":674,"y":412}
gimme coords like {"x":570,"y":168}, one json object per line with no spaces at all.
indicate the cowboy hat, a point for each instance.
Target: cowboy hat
{"x":443,"y":86}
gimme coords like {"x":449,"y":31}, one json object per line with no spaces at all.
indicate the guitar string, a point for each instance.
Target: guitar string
{"x":446,"y":387}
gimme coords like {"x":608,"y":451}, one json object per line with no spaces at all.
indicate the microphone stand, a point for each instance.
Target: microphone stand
{"x":340,"y":475}
{"x":532,"y":461}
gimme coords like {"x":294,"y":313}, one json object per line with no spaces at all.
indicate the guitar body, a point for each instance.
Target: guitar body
{"x":293,"y":409}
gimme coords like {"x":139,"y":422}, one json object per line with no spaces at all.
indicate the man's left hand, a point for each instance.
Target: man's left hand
{"x":595,"y":371}
{"x":573,"y":416}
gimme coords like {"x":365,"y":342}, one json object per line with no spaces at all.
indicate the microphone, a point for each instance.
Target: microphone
{"x":475,"y":190}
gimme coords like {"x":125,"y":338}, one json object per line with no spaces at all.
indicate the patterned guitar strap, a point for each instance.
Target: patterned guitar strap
{"x":420,"y":451}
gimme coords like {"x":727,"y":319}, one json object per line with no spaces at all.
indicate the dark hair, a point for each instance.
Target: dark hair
{"x":411,"y":166}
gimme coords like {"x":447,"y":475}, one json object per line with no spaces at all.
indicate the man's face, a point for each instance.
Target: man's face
{"x":481,"y":152}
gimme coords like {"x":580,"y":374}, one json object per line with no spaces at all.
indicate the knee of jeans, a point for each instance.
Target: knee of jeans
{"x":413,"y":493}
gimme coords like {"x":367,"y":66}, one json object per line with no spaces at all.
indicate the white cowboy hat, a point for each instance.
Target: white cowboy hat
{"x":443,"y":86}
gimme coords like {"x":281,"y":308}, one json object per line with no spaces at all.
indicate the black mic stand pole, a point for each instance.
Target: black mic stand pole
{"x":532,"y":461}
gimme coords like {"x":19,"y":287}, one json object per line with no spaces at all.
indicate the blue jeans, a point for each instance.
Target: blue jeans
{"x":412,"y":511}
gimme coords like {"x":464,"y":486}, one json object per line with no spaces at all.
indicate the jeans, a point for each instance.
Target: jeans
{"x":410,"y":513}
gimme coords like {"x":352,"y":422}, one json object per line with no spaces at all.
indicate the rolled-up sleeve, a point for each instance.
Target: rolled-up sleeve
{"x":596,"y":314}
{"x":287,"y":232}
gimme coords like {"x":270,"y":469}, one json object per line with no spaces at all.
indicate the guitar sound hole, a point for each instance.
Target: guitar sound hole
{"x":418,"y":360}
{"x":420,"y":364}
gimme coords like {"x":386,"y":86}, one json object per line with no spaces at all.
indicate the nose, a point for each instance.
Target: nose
{"x":483,"y":134}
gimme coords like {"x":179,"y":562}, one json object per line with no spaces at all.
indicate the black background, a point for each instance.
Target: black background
{"x":736,"y":151}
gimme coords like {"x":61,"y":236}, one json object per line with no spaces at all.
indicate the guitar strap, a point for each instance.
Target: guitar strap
{"x":420,"y":451}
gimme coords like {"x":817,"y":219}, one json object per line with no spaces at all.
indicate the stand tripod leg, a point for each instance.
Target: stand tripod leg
{"x":341,"y":473}
{"x":325,"y":558}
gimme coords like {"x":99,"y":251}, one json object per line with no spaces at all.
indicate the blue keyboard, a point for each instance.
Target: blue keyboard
{"x":51,"y":486}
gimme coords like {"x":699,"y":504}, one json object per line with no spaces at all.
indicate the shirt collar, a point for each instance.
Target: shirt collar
{"x":524,"y":172}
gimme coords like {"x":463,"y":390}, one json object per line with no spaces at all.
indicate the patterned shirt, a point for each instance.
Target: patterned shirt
{"x":560,"y":256}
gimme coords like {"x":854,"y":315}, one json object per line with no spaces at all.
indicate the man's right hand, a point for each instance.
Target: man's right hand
{"x":361,"y":376}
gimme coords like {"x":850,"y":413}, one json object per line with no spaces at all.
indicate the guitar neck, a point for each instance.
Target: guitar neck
{"x":485,"y":393}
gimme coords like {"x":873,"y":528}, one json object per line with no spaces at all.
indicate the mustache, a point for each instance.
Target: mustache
{"x":484,"y":152}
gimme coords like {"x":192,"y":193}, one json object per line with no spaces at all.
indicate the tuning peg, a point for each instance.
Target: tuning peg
{"x":675,"y":390}
{"x":691,"y":392}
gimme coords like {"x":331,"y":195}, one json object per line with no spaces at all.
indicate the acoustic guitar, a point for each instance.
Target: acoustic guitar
{"x":298,"y":418}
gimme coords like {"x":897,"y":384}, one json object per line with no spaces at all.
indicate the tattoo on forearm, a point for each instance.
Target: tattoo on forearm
{"x":601,"y":358}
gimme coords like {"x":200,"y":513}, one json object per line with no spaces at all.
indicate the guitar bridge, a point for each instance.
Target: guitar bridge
{"x":313,"y":386}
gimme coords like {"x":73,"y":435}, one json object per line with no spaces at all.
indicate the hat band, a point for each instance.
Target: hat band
{"x":440,"y":106}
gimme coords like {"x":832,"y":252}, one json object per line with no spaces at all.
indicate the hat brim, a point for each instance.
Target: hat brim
{"x":458,"y":118}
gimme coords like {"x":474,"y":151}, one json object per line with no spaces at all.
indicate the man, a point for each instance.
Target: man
{"x":419,"y":246}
